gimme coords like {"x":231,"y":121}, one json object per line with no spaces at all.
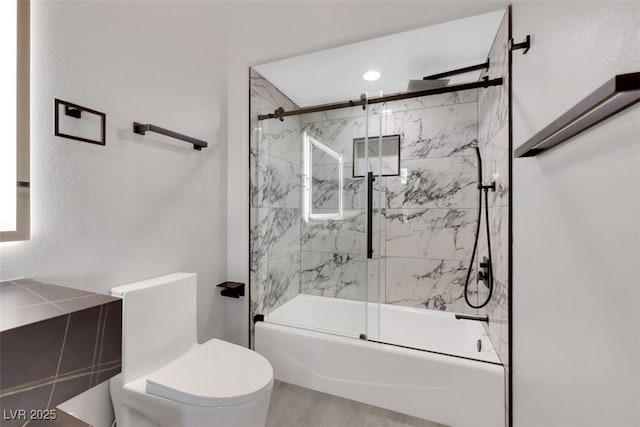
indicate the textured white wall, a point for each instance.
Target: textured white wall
{"x":261,"y":32}
{"x":576,"y":218}
{"x":139,"y":206}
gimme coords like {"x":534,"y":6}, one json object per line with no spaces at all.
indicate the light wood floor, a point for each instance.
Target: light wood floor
{"x":293,"y":406}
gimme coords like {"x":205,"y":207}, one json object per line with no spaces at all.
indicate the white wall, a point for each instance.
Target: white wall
{"x":261,"y":32}
{"x":576,"y":301}
{"x":139,"y":206}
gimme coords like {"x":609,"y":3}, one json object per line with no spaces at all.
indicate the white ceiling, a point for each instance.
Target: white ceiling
{"x":335,"y":75}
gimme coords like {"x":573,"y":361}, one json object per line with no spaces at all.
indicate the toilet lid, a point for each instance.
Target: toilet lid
{"x":216,"y":373}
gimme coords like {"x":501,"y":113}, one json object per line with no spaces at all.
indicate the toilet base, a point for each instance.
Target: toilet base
{"x":134,"y":407}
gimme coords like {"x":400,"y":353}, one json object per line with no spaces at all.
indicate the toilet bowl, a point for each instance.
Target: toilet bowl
{"x":168,"y":379}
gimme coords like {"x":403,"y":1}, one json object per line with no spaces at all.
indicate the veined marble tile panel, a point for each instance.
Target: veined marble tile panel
{"x":283,"y":235}
{"x":325,"y":187}
{"x":273,"y":181}
{"x":338,"y":135}
{"x":255,"y":125}
{"x":445,"y":182}
{"x":333,"y":275}
{"x":258,"y":233}
{"x":496,"y":162}
{"x":281,"y":139}
{"x":339,"y":114}
{"x":253,"y":177}
{"x":283,"y":280}
{"x":430,"y":233}
{"x":431,"y":132}
{"x":258,"y":105}
{"x":262,"y":131}
{"x":259,"y":86}
{"x":498,"y":217}
{"x":261,"y":179}
{"x":425,"y":283}
{"x":279,"y":183}
{"x":460,"y":97}
{"x":274,"y":235}
{"x":497,"y":309}
{"x":344,"y":236}
{"x":499,"y":321}
{"x":273,"y":283}
{"x":258,"y":283}
{"x":326,"y":184}
{"x":493,"y":102}
{"x":427,"y":102}
{"x":434,"y":132}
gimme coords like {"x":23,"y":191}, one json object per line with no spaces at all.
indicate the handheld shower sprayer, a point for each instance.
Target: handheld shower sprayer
{"x":486,"y":273}
{"x":479,"y":161}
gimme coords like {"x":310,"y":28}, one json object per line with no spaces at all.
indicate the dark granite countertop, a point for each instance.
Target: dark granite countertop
{"x":26,"y":301}
{"x":56,"y":342}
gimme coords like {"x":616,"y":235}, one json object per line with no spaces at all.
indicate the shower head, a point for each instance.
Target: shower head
{"x":418,"y":85}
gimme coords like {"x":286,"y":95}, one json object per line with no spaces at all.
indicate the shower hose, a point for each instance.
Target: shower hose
{"x":475,"y":245}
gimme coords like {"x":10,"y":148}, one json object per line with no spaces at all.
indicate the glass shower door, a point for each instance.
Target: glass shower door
{"x":332,"y":260}
{"x":373,"y":156}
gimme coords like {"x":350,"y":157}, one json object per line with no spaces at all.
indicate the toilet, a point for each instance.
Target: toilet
{"x":167,"y":378}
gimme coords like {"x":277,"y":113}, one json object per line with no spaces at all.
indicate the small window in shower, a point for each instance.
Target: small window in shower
{"x":388,"y":161}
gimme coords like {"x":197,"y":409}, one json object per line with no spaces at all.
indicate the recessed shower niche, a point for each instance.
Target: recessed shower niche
{"x":364,"y":207}
{"x":386,"y":148}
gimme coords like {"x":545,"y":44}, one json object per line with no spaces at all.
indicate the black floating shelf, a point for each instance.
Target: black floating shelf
{"x":620,"y":92}
{"x":232,"y":289}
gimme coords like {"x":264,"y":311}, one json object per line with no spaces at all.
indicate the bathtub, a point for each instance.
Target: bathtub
{"x":453,"y":383}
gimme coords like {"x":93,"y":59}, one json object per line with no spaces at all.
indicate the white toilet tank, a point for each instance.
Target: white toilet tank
{"x":159,"y":322}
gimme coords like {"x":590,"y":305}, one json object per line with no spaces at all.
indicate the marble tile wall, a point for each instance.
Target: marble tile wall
{"x":430,"y":218}
{"x":274,"y":200}
{"x":333,"y":250}
{"x":423,"y":228}
{"x":493,"y":137}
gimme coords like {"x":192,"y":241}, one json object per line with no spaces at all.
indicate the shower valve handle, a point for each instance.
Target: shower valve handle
{"x":484,"y":273}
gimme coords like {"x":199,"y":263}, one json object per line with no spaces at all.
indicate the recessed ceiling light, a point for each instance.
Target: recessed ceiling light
{"x":371,"y":75}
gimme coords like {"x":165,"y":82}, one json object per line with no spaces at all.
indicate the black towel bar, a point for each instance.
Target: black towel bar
{"x":141,"y":129}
